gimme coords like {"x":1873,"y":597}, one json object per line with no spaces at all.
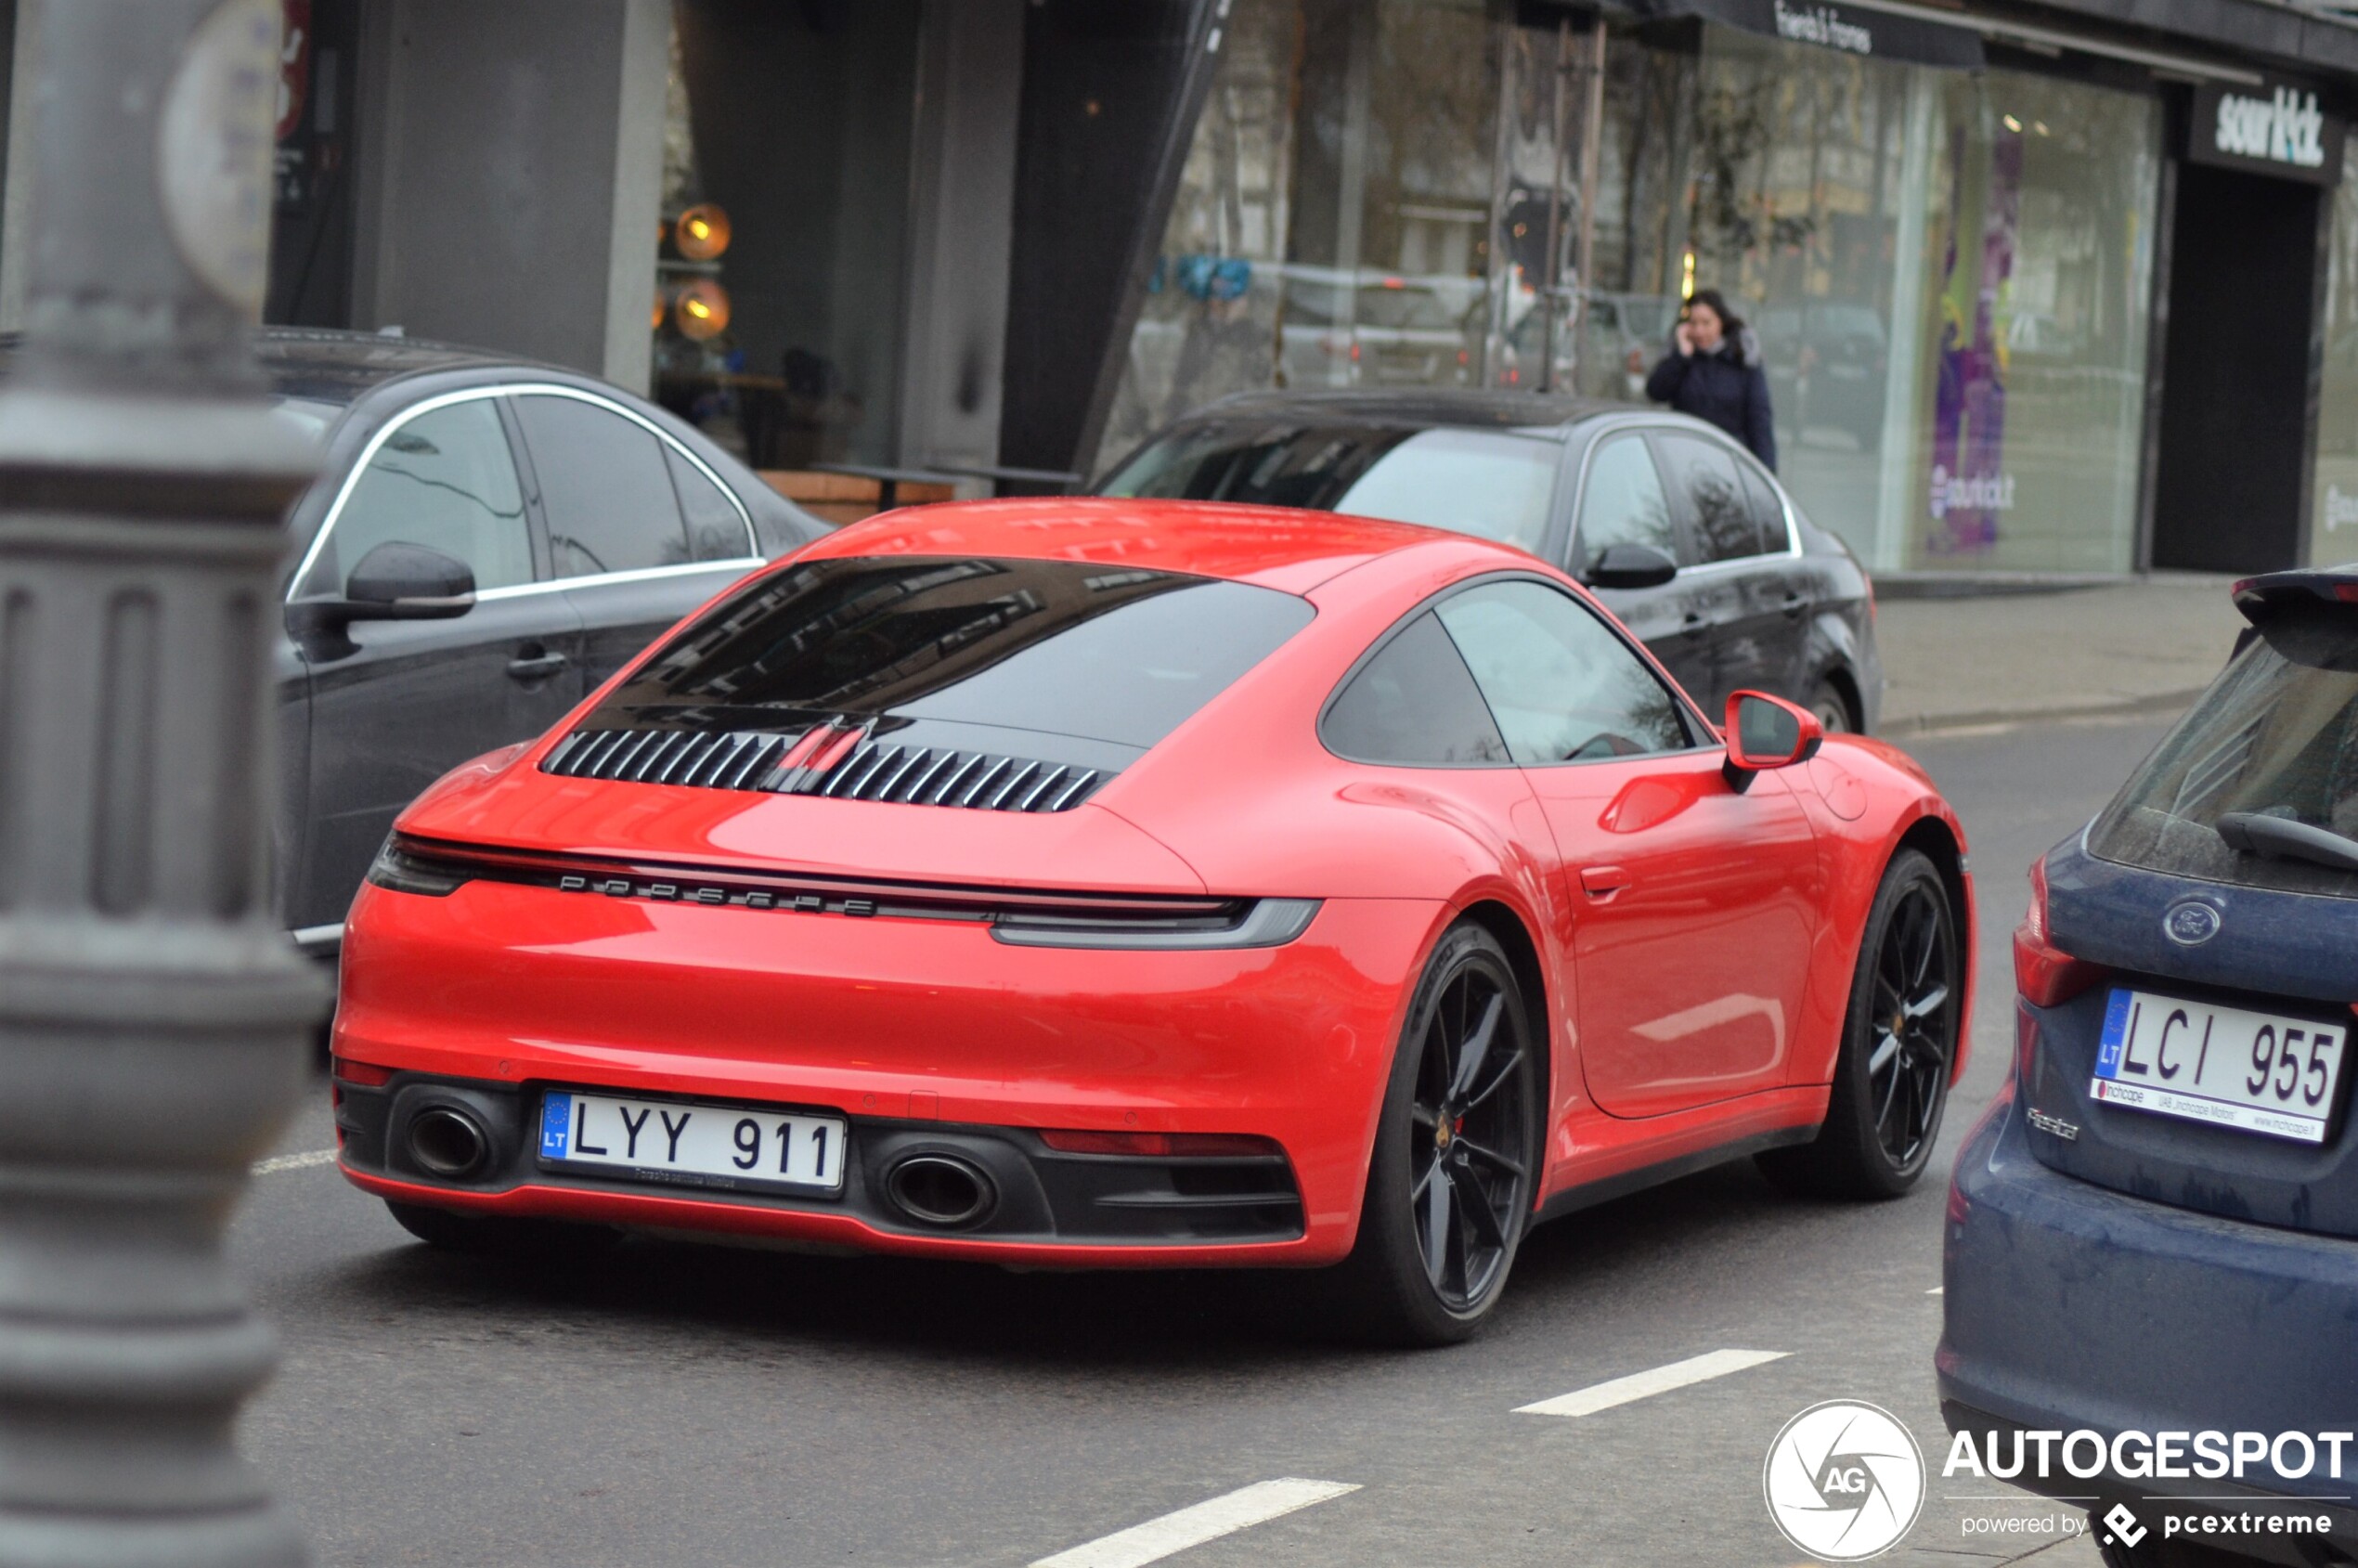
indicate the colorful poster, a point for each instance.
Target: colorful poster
{"x":1970,"y":486}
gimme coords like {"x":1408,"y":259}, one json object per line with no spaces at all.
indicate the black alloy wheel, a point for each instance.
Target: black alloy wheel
{"x":1899,"y":1040}
{"x":1472,"y":1173}
{"x":1455,"y":1163}
{"x":1911,"y":1023}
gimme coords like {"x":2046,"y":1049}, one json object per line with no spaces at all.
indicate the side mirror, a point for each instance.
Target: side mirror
{"x":396,"y":581}
{"x":412,"y":581}
{"x":1764,"y":733}
{"x":1628,"y":566}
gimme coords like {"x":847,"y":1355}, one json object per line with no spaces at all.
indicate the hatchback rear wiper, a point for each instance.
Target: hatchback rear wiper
{"x":2282,"y":838}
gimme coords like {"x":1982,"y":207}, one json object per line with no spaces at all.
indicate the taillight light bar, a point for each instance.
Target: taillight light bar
{"x":2045,"y":973}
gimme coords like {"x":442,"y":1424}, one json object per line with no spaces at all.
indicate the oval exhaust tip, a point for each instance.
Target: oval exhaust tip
{"x":448,"y":1141}
{"x":940,"y":1190}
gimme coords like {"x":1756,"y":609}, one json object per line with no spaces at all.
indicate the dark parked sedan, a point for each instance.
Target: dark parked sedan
{"x":2152,"y":1235}
{"x":1691,"y":542}
{"x":486,"y":542}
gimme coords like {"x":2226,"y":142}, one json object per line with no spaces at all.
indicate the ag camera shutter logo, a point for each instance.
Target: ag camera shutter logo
{"x":1844,"y":1481}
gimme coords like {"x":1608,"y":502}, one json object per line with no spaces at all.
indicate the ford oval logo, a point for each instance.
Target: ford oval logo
{"x":2190,"y":923}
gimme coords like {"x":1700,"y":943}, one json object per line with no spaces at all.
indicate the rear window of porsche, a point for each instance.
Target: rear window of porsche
{"x":1086,"y":650}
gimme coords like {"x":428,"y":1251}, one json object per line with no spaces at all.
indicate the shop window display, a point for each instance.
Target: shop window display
{"x":2333,"y":508}
{"x":778,"y":299}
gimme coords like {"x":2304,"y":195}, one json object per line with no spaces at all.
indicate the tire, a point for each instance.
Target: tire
{"x":486,"y":1235}
{"x":1429,"y":1265}
{"x":1891,"y":1083}
{"x":1833,"y":709}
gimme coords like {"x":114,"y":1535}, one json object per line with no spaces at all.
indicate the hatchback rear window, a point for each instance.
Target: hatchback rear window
{"x":1082,"y":650}
{"x":2274,"y":741}
{"x":1491,"y":484}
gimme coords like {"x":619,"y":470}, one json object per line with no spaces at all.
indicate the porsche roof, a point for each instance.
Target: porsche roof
{"x":1275,"y":547}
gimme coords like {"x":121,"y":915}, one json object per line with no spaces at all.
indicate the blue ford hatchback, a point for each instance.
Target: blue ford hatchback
{"x":2151,"y":1244}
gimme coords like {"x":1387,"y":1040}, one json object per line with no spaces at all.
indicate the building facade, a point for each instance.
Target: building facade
{"x":2038,"y":289}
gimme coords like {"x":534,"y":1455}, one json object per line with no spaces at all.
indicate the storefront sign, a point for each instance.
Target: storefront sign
{"x":2271,"y":129}
{"x":1847,"y":29}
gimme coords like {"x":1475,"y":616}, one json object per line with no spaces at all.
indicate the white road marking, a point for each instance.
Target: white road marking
{"x":1159,"y":1539}
{"x":1645,"y":1385}
{"x":303,"y":1162}
{"x":1936,"y":1290}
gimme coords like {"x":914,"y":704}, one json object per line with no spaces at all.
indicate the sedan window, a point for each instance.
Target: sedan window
{"x":1560,"y":685}
{"x":445,"y":479}
{"x":1624,"y":503}
{"x":1703,"y":472}
{"x":716,"y":530}
{"x":1491,"y":484}
{"x":609,"y":500}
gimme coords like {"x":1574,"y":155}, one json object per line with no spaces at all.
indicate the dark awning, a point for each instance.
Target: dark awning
{"x":1847,"y":29}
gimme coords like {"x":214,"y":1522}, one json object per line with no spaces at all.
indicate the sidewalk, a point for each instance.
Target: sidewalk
{"x":2138,"y":647}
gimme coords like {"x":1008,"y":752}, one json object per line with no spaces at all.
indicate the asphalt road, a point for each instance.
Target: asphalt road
{"x":677,"y":1404}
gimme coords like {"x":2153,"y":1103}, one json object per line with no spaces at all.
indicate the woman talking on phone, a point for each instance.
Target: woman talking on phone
{"x":1713,"y":371}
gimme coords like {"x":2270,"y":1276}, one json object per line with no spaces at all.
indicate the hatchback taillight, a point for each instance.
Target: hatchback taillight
{"x":2044,"y":972}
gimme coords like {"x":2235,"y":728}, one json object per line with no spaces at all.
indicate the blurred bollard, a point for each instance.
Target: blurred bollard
{"x":153,"y":1020}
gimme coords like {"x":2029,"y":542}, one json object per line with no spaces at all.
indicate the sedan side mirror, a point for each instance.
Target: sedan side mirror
{"x":410,"y":582}
{"x":1628,"y":566}
{"x":1764,"y":733}
{"x":396,"y":581}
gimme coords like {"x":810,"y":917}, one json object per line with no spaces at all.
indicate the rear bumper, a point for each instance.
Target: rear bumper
{"x":1043,"y":1206}
{"x":2071,"y":1307}
{"x":918,"y":1032}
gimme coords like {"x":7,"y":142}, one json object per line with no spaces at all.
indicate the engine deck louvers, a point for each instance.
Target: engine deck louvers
{"x":846,"y":763}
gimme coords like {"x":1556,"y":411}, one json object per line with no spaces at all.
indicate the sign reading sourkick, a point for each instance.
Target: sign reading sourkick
{"x":2269,"y":129}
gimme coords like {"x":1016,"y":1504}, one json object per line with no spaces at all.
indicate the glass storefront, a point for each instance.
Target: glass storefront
{"x":785,"y":208}
{"x":2333,"y":509}
{"x":1948,"y":273}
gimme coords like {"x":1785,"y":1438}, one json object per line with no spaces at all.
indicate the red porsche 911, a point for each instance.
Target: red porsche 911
{"x":1136,"y":884}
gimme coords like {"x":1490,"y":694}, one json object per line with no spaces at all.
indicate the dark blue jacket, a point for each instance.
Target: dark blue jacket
{"x":1726,"y":387}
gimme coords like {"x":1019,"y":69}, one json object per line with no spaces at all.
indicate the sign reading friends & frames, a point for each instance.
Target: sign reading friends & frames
{"x":2273,"y":128}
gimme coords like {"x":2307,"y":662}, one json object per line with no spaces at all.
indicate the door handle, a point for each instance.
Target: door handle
{"x":1696,"y":621}
{"x":533,"y":666}
{"x":1794,"y":605}
{"x":1601,"y":882}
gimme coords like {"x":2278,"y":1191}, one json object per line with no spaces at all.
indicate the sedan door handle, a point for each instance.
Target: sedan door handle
{"x":1601,"y":882}
{"x":1794,"y":605}
{"x":1696,"y":621}
{"x":533,"y":666}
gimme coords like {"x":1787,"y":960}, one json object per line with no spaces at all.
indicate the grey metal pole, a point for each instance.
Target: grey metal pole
{"x":153,"y":1020}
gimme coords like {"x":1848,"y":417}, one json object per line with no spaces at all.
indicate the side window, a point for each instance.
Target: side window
{"x":1703,"y":474}
{"x":1415,"y":704}
{"x":1562,"y":687}
{"x":446,"y":480}
{"x":604,"y":486}
{"x":715,"y":531}
{"x":1624,"y":503}
{"x":1768,"y":510}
